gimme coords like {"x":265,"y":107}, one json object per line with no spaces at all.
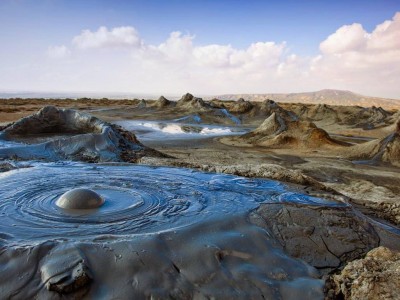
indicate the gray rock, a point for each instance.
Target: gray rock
{"x":64,"y":270}
{"x":374,"y":277}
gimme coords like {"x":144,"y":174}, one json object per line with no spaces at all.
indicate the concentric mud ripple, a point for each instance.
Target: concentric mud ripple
{"x":138,"y":199}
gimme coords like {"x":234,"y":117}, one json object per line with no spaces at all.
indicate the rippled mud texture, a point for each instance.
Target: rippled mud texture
{"x":167,"y":233}
{"x":223,"y":259}
{"x":54,"y":134}
{"x":138,"y":199}
{"x":153,"y":223}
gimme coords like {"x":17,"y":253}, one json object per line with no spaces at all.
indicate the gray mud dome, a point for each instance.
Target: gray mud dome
{"x":55,"y":134}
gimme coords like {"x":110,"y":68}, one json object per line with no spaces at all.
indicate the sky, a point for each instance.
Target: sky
{"x":203,"y":47}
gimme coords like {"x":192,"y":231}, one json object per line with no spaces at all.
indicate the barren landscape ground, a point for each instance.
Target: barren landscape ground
{"x":349,"y":154}
{"x":372,"y":184}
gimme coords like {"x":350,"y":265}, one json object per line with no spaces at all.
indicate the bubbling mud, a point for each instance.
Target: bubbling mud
{"x":137,"y":199}
{"x":80,"y":199}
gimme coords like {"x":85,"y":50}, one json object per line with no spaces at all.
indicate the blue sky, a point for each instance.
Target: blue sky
{"x":30,"y":27}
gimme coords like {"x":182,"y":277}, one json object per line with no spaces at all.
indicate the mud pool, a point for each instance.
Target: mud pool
{"x":153,"y":222}
{"x":138,"y":199}
{"x":159,"y":130}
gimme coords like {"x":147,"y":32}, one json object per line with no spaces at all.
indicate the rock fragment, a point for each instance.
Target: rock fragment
{"x":64,"y":270}
{"x":377,"y":276}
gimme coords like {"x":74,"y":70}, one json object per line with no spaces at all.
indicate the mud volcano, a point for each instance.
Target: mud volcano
{"x":283,"y":129}
{"x":54,"y":134}
{"x":381,"y":150}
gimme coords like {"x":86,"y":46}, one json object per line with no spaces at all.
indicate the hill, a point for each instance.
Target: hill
{"x":327,"y":96}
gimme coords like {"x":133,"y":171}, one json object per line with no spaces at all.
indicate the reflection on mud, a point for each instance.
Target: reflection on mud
{"x":138,"y":199}
{"x":157,"y":130}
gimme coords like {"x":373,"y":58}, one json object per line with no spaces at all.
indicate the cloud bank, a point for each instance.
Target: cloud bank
{"x":119,"y":59}
{"x":103,"y":38}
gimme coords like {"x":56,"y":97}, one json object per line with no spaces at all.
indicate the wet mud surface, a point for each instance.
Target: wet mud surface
{"x":138,"y":199}
{"x":172,"y":232}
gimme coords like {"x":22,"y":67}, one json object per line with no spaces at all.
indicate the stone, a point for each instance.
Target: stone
{"x":377,"y":276}
{"x":64,"y":270}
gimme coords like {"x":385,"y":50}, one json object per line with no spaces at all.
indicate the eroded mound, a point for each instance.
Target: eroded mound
{"x":320,"y":112}
{"x":188,"y":101}
{"x":241,"y":106}
{"x":281,"y":130}
{"x":163,"y":102}
{"x":368,"y":118}
{"x":56,"y":134}
{"x":386,"y":149}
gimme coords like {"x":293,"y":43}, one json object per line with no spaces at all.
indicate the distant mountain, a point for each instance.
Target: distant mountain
{"x":77,"y":95}
{"x":330,"y":97}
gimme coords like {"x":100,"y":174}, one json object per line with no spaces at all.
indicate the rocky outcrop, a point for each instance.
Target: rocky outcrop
{"x":57,"y":134}
{"x":6,"y":166}
{"x":381,"y":150}
{"x":371,"y":117}
{"x":241,"y":106}
{"x":281,"y":130}
{"x":267,"y":108}
{"x":318,"y":113}
{"x":64,"y":270}
{"x":163,"y":102}
{"x":188,"y":101}
{"x":142,"y":104}
{"x":374,"y":277}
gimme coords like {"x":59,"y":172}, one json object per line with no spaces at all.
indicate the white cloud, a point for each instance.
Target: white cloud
{"x":350,"y":58}
{"x":386,"y":36}
{"x":125,"y":36}
{"x":58,"y":52}
{"x":346,"y":38}
{"x":259,"y":55}
{"x":177,"y":48}
{"x":355,"y":59}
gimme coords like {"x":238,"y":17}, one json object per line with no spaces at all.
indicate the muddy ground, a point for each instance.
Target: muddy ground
{"x":373,"y":188}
